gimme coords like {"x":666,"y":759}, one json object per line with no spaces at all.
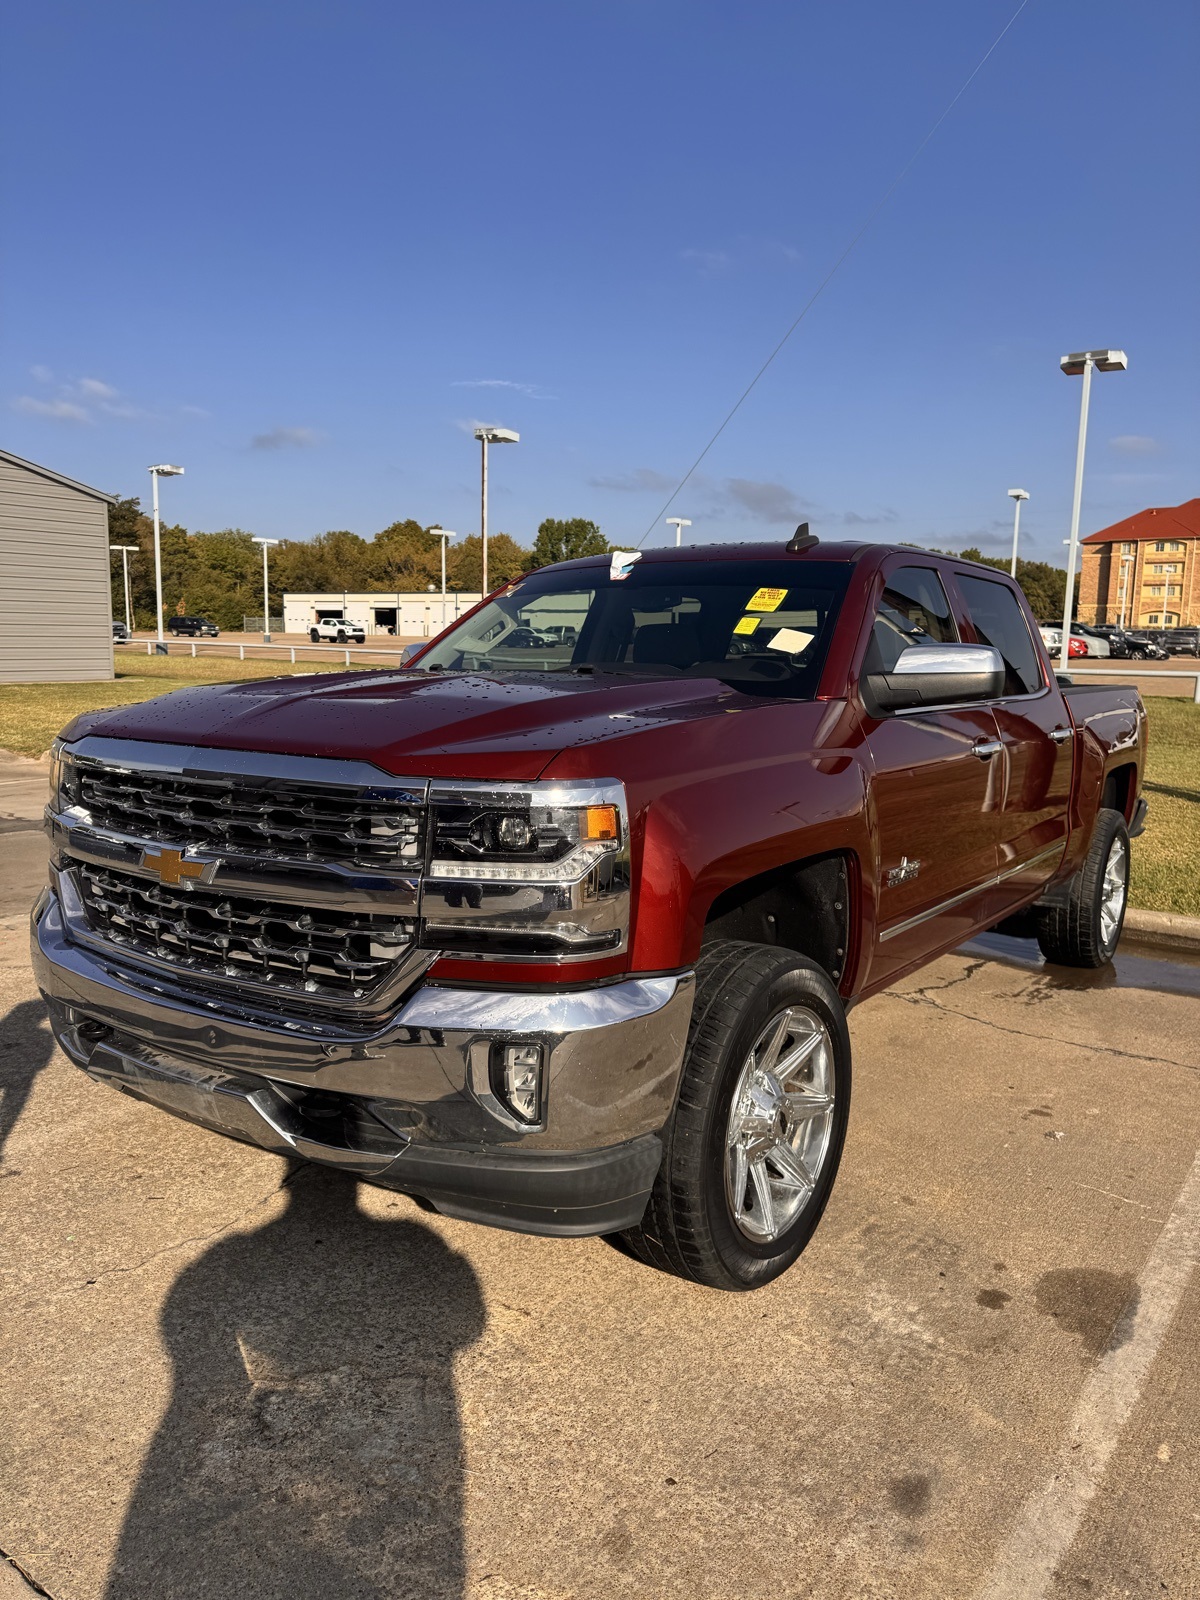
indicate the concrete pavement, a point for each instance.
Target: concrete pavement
{"x":220,"y":1378}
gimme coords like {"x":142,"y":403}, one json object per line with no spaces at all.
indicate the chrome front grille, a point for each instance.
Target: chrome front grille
{"x":233,"y":815}
{"x":321,"y":953}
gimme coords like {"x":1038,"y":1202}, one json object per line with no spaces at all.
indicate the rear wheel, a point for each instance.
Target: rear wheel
{"x":752,"y":1150}
{"x":341,"y":636}
{"x":1079,"y":924}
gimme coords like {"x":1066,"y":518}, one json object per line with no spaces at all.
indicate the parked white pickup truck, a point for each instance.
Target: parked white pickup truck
{"x":337,"y":630}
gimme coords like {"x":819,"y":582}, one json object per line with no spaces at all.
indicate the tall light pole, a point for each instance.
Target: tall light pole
{"x":1126,"y":562}
{"x":161,"y":471}
{"x":266,"y":543}
{"x":443,"y":534}
{"x":1018,"y":495}
{"x":125,"y":549}
{"x":487,"y":436}
{"x":679,"y":524}
{"x":1082,"y":362}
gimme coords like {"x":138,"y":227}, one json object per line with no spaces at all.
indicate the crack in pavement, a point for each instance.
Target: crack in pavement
{"x":34,"y":1586}
{"x":924,"y":997}
{"x":180,"y":1244}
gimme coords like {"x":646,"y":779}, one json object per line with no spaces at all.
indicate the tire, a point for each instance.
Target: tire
{"x":695,"y":1226}
{"x":1080,"y":921}
{"x":341,"y":636}
{"x":314,"y":635}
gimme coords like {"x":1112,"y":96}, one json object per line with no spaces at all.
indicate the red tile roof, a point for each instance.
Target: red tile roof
{"x":1159,"y":522}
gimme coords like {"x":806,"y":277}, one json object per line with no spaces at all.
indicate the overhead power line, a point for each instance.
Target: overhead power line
{"x":829,"y":276}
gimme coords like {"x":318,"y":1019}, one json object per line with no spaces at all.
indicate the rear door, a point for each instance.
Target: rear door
{"x":1039,"y":743}
{"x":936,"y":790}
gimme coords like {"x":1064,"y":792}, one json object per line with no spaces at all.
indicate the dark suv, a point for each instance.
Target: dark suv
{"x":1182,"y":641}
{"x":193,"y":626}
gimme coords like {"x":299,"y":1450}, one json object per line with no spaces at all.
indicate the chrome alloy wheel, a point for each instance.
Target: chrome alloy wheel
{"x":1113,"y":890}
{"x":780,"y":1123}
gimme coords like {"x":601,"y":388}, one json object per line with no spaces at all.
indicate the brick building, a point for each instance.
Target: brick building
{"x":1144,"y":571}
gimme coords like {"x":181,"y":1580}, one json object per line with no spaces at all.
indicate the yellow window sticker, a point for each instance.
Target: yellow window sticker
{"x":766,"y":600}
{"x":747,"y":625}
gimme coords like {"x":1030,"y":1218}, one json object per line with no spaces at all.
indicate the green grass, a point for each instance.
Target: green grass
{"x":1166,"y":859}
{"x":31,"y":714}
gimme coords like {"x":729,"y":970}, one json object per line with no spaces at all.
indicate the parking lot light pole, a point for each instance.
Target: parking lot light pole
{"x":1018,"y":495}
{"x":1126,"y":563}
{"x":679,"y":524}
{"x":443,"y":534}
{"x":266,"y":593}
{"x":161,"y":471}
{"x":125,"y":549}
{"x":488,"y":436}
{"x":1082,"y":363}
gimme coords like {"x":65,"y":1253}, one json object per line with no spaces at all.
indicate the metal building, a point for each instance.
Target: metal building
{"x":412,"y":614}
{"x":54,"y":577}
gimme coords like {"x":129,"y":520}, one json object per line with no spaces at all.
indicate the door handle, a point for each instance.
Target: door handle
{"x":985,"y":749}
{"x":1061,"y":735}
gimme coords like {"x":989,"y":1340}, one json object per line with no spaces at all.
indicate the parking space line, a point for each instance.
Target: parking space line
{"x":1049,"y":1520}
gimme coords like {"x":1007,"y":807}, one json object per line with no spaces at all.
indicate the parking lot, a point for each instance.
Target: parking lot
{"x":222,"y":1377}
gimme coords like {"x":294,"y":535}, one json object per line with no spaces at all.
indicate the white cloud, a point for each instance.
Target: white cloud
{"x":709,"y":263}
{"x":42,"y":374}
{"x":95,"y":390}
{"x":767,"y":502}
{"x":58,"y":410}
{"x":1135,"y":444}
{"x":286,"y":439}
{"x":531,"y":391}
{"x":753,"y":251}
{"x":642,"y":480}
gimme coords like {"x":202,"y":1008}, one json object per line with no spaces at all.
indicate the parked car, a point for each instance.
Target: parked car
{"x":1096,"y":641}
{"x":195,"y":626}
{"x":524,"y":638}
{"x":1133,"y":647}
{"x":337,"y":630}
{"x":1182,"y":641}
{"x":120,"y":632}
{"x":570,"y":950}
{"x":1052,"y":639}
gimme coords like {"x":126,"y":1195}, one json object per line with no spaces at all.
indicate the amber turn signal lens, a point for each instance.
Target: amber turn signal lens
{"x":600,"y":822}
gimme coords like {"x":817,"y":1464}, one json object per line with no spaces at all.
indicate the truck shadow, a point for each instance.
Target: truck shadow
{"x":26,"y":1048}
{"x":311,"y":1448}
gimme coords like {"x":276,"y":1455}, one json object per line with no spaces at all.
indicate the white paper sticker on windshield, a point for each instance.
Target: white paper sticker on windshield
{"x":793,"y":640}
{"x":622,"y":563}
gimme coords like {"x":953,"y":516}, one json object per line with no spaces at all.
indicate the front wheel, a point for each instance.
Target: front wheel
{"x":752,"y":1150}
{"x":1080,"y":921}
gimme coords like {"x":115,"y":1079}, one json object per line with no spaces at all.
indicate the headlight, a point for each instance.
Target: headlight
{"x":64,"y":778}
{"x":533,"y":870}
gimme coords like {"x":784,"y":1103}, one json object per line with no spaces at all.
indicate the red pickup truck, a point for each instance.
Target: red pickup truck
{"x":562,"y":937}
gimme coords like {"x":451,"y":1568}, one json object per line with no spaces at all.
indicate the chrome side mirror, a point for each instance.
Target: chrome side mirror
{"x":410,"y":651}
{"x":938,"y":675}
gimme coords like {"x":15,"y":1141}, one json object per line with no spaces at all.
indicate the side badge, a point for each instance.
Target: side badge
{"x":904,"y":873}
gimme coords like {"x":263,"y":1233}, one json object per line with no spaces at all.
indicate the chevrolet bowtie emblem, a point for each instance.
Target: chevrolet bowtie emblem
{"x":904,"y":873}
{"x":172,"y":868}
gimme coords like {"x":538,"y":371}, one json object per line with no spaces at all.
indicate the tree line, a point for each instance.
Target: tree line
{"x":219,"y":575}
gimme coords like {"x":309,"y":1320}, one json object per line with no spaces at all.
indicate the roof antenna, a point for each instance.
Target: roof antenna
{"x":801,"y":540}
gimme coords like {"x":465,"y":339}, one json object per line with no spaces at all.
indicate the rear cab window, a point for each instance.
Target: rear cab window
{"x":998,"y":619}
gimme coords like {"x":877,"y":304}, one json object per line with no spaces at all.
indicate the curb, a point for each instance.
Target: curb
{"x":1164,"y":927}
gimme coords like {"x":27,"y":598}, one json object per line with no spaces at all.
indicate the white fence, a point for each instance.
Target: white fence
{"x":291,"y":651}
{"x":1129,"y":669}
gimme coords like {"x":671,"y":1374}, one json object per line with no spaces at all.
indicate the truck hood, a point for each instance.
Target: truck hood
{"x":415,"y":723}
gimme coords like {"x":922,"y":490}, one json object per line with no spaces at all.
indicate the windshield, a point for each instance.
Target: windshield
{"x":763,"y":626}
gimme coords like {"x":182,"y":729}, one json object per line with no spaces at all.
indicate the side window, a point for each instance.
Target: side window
{"x":999,"y":620}
{"x":913,"y":611}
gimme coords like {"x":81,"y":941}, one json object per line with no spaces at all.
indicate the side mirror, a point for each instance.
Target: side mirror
{"x":938,"y":675}
{"x":410,"y":651}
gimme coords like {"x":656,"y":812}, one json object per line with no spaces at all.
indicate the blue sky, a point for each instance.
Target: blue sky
{"x":302,"y":249}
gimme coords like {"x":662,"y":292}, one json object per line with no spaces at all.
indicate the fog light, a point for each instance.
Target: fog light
{"x":520,"y":1077}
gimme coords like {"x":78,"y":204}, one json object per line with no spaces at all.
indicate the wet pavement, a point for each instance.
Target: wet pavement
{"x":220,"y":1377}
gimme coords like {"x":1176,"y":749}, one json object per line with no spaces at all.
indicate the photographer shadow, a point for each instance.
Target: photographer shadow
{"x":311,"y":1449}
{"x":26,"y":1049}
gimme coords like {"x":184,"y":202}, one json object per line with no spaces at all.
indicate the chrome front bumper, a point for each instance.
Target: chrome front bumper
{"x":407,"y":1106}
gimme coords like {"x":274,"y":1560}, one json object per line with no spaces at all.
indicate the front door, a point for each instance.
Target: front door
{"x":937,"y":788}
{"x":1039,"y":746}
